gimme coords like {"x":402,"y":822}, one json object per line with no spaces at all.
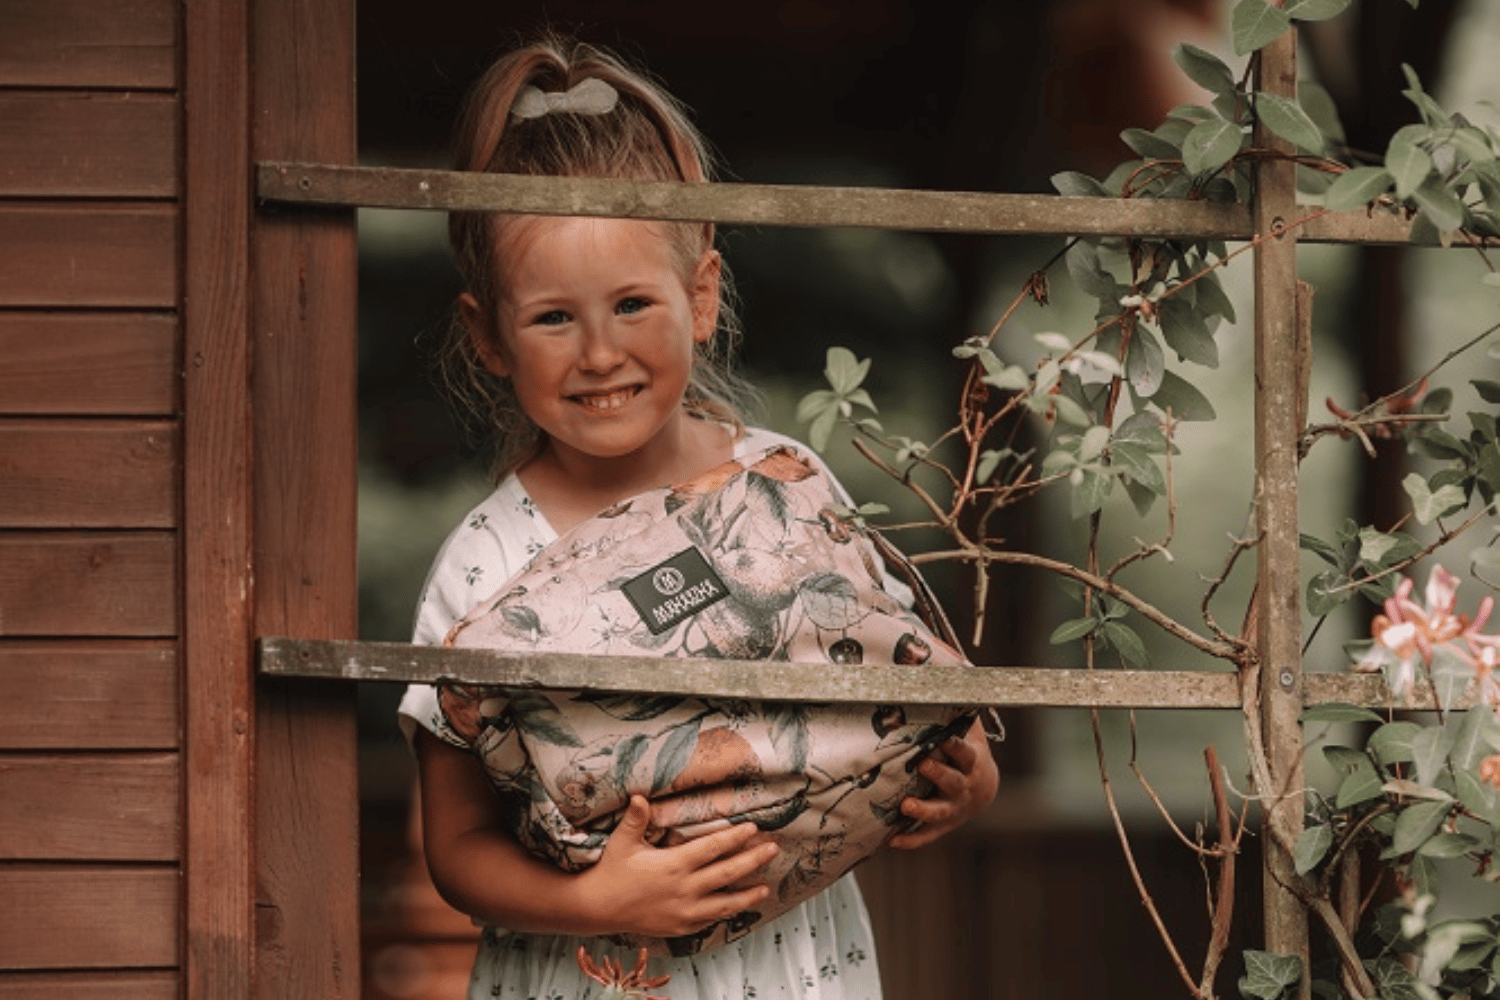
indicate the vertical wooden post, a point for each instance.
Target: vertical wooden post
{"x":305,"y":343}
{"x":218,"y":669}
{"x":1277,"y":389}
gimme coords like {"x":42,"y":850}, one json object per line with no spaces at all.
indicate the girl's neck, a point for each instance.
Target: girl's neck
{"x":570,"y":487}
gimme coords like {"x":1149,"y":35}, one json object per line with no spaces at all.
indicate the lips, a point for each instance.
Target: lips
{"x":605,"y":401}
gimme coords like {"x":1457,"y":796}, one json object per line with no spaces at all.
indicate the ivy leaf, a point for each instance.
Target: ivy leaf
{"x":1312,"y":845}
{"x":1268,"y":974}
{"x":1123,"y":638}
{"x":844,"y":371}
{"x":1182,"y":398}
{"x":1428,"y":505}
{"x":1091,"y":490}
{"x":1135,"y":462}
{"x":1357,"y":188}
{"x":1212,"y":143}
{"x":1408,"y":162}
{"x":1072,"y":630}
{"x":1416,"y":823}
{"x":1391,"y":743}
{"x":1078,"y":185}
{"x":1187,"y":333}
{"x":1438,"y":202}
{"x":1328,"y":553}
{"x":1255,"y":24}
{"x":1315,"y":10}
{"x":1324,"y":595}
{"x":1204,"y":68}
{"x":1286,"y":118}
{"x":1337,"y":711}
{"x":1149,"y":145}
{"x":1146,"y":364}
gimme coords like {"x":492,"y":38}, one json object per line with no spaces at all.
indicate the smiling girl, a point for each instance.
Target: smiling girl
{"x":593,"y":353}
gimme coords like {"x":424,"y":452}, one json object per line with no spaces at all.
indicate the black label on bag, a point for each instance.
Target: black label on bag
{"x":675,"y":589}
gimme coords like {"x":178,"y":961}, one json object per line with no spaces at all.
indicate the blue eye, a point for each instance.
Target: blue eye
{"x":633,"y":304}
{"x":553,"y":317}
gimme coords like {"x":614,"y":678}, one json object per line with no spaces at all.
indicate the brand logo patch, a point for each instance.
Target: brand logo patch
{"x":674,"y":589}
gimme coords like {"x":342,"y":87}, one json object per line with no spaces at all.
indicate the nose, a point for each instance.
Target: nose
{"x":602,"y":351}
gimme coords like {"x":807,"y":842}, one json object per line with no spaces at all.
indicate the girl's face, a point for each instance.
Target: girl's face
{"x":595,"y":327}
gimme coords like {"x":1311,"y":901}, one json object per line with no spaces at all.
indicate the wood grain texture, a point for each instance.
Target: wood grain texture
{"x":58,"y":473}
{"x":112,"y":985}
{"x":88,"y":363}
{"x":90,"y":807}
{"x":305,"y":361}
{"x":88,"y":916}
{"x":60,"y":254}
{"x":95,"y":584}
{"x":219,"y":862}
{"x":81,"y":144}
{"x":89,"y":43}
{"x":88,"y":695}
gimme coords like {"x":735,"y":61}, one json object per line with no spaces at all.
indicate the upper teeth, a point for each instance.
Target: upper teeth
{"x":608,"y":401}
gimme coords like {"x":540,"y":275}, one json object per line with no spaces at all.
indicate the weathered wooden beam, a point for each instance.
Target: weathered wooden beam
{"x":800,"y":205}
{"x":395,"y":662}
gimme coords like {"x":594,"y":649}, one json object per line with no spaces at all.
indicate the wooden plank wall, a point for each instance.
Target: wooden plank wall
{"x":91,"y":773}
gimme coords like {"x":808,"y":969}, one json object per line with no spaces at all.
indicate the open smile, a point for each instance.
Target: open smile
{"x":603,"y":401}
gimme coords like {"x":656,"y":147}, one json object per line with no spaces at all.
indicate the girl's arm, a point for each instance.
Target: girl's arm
{"x":635,"y":888}
{"x":963,"y":786}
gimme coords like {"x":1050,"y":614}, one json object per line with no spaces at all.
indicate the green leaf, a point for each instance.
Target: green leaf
{"x":1416,"y":823}
{"x":1391,"y":743}
{"x":1324,"y":595}
{"x":1256,"y":24}
{"x":1357,"y":188}
{"x":1204,"y":68}
{"x":844,"y":371}
{"x":1432,"y":114}
{"x":1212,"y":301}
{"x":822,"y":428}
{"x":1212,"y":143}
{"x":1470,"y":738}
{"x":1182,"y":398}
{"x":1089,"y":275}
{"x":1123,"y":638}
{"x":1429,"y":505}
{"x":1451,"y":676}
{"x":1286,"y":118}
{"x":1408,"y":162}
{"x":1449,"y":845}
{"x":1337,"y":711}
{"x":1149,"y":145}
{"x":1315,"y":10}
{"x":1091,"y":491}
{"x":1318,"y":104}
{"x":1312,"y":845}
{"x":1361,"y":784}
{"x":1429,"y":752}
{"x":1187,"y":333}
{"x":1146,"y":364}
{"x":1328,"y":553}
{"x":1078,"y":185}
{"x":1073,"y":630}
{"x":1488,"y":391}
{"x":1136,"y":463}
{"x":1479,"y":797}
{"x":1269,"y":974}
{"x":815,"y":403}
{"x":1438,"y":202}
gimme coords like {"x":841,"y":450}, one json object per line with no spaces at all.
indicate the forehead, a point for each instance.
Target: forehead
{"x":532,"y":246}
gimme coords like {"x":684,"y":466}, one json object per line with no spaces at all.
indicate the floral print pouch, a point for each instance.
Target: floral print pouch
{"x":751,"y":560}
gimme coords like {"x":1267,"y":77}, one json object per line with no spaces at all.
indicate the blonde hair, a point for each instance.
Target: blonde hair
{"x":647,"y":136}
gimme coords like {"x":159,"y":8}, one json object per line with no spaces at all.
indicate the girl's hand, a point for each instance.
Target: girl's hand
{"x":963,"y":786}
{"x":671,"y":891}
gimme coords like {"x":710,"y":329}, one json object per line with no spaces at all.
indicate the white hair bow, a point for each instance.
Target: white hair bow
{"x":589,"y":97}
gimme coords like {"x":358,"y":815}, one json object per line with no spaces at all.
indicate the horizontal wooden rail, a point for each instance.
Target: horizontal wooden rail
{"x":800,"y":205}
{"x":1014,"y":686}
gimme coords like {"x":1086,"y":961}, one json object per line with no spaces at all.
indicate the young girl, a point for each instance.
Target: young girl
{"x":594,"y":351}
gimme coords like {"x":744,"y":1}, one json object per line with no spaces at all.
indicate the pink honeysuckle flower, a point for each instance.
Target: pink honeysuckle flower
{"x":1409,"y":632}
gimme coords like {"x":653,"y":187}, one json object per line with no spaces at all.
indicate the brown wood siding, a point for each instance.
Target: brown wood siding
{"x":88,"y":474}
{"x":88,"y":916}
{"x":88,"y":43}
{"x":88,"y":584}
{"x":86,"y":254}
{"x":68,"y":694}
{"x":84,"y":144}
{"x":90,"y":807}
{"x":89,"y":363}
{"x":112,"y":985}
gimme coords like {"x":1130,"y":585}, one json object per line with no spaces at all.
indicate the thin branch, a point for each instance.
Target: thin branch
{"x":1223,"y":913}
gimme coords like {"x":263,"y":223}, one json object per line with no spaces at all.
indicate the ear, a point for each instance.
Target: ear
{"x":705,"y":294}
{"x":483,"y":335}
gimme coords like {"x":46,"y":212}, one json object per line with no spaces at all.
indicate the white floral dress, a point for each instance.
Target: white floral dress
{"x":820,"y":950}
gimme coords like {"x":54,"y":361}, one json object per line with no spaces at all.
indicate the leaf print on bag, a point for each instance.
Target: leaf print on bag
{"x":676,"y":751}
{"x":630,"y":707}
{"x":736,"y":631}
{"x":788,"y":721}
{"x":538,"y":717}
{"x":831,"y":601}
{"x":627,"y":755}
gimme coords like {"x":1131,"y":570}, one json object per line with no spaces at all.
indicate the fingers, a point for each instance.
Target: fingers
{"x":962,"y":753}
{"x":736,"y":867}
